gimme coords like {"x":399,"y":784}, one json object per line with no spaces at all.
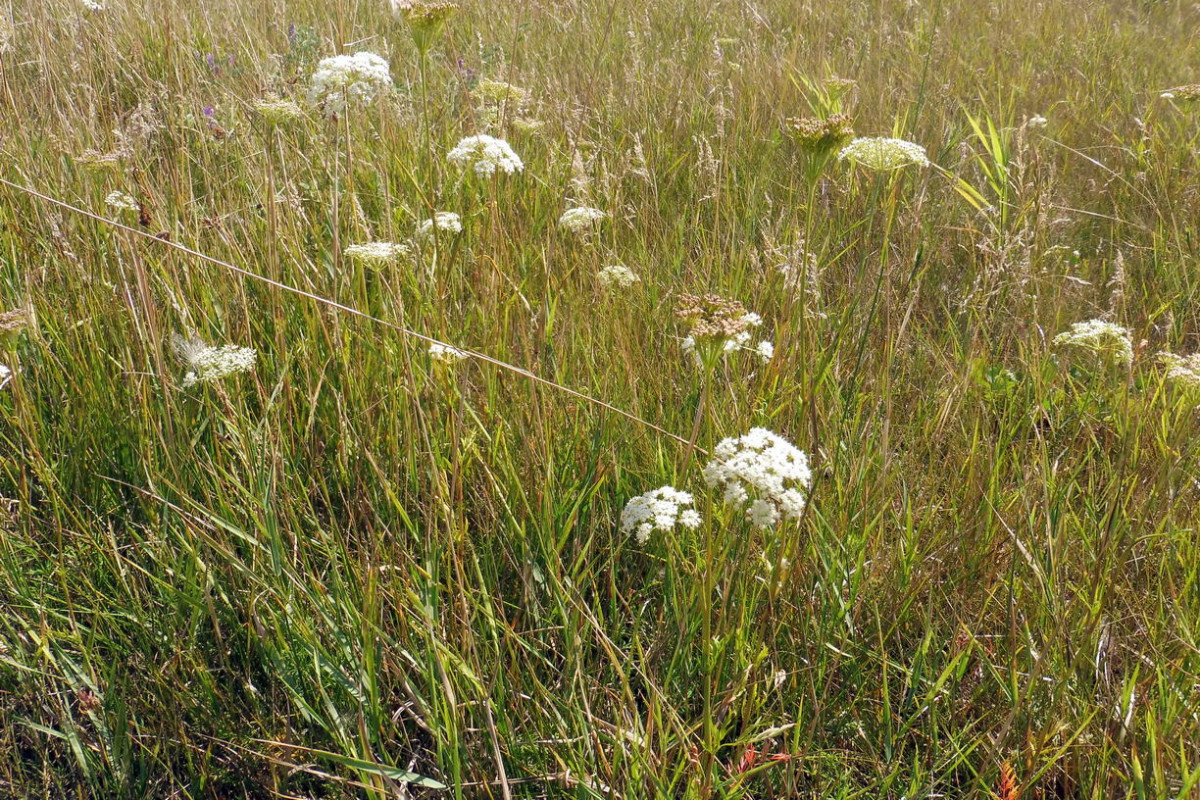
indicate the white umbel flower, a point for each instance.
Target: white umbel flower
{"x":1036,"y":121}
{"x":446,"y":354}
{"x":765,"y":351}
{"x":206,"y":363}
{"x":1182,"y":370}
{"x":581,"y":220}
{"x":660,"y":509}
{"x":276,"y":110}
{"x":446,"y":222}
{"x":486,"y":155}
{"x":762,"y":472}
{"x":617,"y":276}
{"x":342,"y":81}
{"x":119,"y":201}
{"x":880,"y":153}
{"x":376,"y":254}
{"x":1105,"y":339}
{"x":5,"y":376}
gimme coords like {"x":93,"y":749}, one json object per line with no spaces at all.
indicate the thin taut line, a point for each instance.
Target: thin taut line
{"x":524,"y":373}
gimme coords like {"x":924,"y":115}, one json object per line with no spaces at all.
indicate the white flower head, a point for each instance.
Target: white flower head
{"x":617,"y":276}
{"x":660,"y":509}
{"x":881,"y":153}
{"x":343,"y":81}
{"x":93,"y":5}
{"x":486,"y":155}
{"x":5,"y":376}
{"x":765,"y":351}
{"x":376,"y":254}
{"x":445,"y":221}
{"x":581,"y":220}
{"x":718,"y":327}
{"x":1105,"y":339}
{"x":1182,"y":370}
{"x":445,"y":354}
{"x":277,"y":111}
{"x":762,"y":472}
{"x":1184,"y":94}
{"x":119,"y":201}
{"x":1036,"y":121}
{"x":206,"y":363}
{"x":498,"y":94}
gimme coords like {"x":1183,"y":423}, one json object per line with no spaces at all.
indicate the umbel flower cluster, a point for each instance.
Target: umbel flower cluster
{"x":376,"y":255}
{"x":821,"y":136}
{"x":1107,"y":340}
{"x":12,"y":323}
{"x":486,"y":155}
{"x":884,"y":154}
{"x":343,"y":81}
{"x":277,"y":111}
{"x":444,"y":221}
{"x":617,"y":276}
{"x":763,"y":472}
{"x":581,"y":220}
{"x":5,"y":376}
{"x":425,"y":19}
{"x":497,"y":102}
{"x":445,"y":354}
{"x":1184,"y":94}
{"x":719,"y":326}
{"x":206,"y":363}
{"x":660,"y":509}
{"x":1182,"y":370}
{"x":119,"y":201}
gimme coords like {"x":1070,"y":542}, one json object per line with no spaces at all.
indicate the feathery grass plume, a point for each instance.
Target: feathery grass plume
{"x":444,"y":221}
{"x":486,"y":155}
{"x":762,"y":471}
{"x":376,"y":255}
{"x":340,"y":82}
{"x":277,"y":111}
{"x":425,"y":20}
{"x":882,"y":153}
{"x":119,"y":201}
{"x":581,"y":220}
{"x":5,"y":376}
{"x":1182,"y":370}
{"x":11,"y":324}
{"x":617,"y":276}
{"x":659,"y":509}
{"x":1106,"y":340}
{"x":206,"y":363}
{"x":820,"y":137}
{"x":1188,"y":93}
{"x":445,"y":354}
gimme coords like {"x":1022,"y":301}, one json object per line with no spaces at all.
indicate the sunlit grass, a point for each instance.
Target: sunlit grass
{"x":362,"y":565}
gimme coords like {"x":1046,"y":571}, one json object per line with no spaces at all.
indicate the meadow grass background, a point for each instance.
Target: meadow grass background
{"x":354,"y":569}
